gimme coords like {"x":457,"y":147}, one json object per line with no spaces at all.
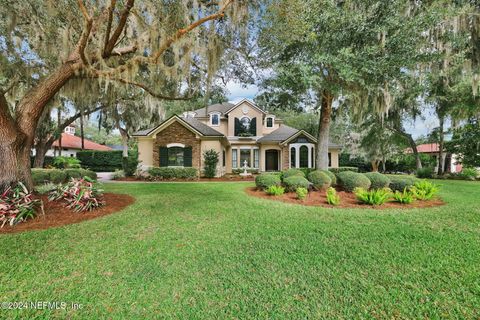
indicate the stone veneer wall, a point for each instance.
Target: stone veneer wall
{"x":177,"y":133}
{"x":285,"y":158}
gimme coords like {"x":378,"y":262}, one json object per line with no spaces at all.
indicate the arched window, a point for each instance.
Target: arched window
{"x":293,"y":156}
{"x":303,"y":157}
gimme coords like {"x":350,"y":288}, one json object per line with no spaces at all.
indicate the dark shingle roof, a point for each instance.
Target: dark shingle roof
{"x":218,"y":107}
{"x":194,"y":123}
{"x":279,"y":135}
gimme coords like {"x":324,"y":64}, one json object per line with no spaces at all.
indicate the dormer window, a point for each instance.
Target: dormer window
{"x":215,"y":119}
{"x":269,"y":122}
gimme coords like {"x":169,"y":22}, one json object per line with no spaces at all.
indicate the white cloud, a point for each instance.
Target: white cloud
{"x":238,"y":92}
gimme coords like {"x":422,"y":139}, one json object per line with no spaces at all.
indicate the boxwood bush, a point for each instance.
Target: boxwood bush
{"x":266,"y":180}
{"x":332,"y":176}
{"x":319,"y":179}
{"x":400,"y":183}
{"x":378,"y":180}
{"x":350,"y":180}
{"x":294,"y":182}
{"x":425,"y":173}
{"x":342,"y":169}
{"x":165,"y":173}
{"x":41,"y":176}
{"x":293,"y":172}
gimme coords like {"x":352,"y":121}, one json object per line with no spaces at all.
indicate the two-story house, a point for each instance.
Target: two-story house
{"x":241,"y":133}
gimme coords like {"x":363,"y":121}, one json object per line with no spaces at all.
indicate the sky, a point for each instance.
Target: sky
{"x":421,"y":127}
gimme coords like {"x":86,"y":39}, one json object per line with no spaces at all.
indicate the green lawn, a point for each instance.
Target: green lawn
{"x":208,"y":251}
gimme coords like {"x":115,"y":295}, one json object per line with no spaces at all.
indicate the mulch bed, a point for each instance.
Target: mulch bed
{"x":347,"y":200}
{"x":57,"y":214}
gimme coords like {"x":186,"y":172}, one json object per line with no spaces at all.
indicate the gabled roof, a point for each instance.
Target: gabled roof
{"x":246,"y":101}
{"x":218,"y":107}
{"x":285,"y":133}
{"x":191,"y":123}
{"x":73,"y":142}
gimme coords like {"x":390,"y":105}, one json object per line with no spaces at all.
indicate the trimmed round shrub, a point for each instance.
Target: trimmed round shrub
{"x":378,"y":180}
{"x":88,"y":173}
{"x":425,"y":173}
{"x":58,"y":176}
{"x":331,"y":175}
{"x":293,"y":172}
{"x":73,"y":173}
{"x":294,"y":182}
{"x":400,"y":183}
{"x":350,"y":180}
{"x":40,"y":176}
{"x":319,"y":179}
{"x":265,"y":181}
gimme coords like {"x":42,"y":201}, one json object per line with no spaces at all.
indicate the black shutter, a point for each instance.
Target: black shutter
{"x":238,"y":126}
{"x":187,"y":157}
{"x":163,"y":155}
{"x":253,"y":127}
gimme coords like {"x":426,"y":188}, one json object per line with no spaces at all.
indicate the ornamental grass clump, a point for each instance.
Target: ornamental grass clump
{"x":16,"y":205}
{"x":275,"y":190}
{"x":404,"y":197}
{"x":424,"y":190}
{"x":332,"y":197}
{"x":374,"y":196}
{"x":79,"y":194}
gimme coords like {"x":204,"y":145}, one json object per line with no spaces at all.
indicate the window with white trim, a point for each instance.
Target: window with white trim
{"x":269,"y":122}
{"x":215,"y":119}
{"x":256,"y":159}
{"x":234,"y":158}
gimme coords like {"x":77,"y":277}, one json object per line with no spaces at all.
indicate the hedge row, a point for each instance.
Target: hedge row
{"x":41,"y":176}
{"x":107,"y":161}
{"x":166,"y":173}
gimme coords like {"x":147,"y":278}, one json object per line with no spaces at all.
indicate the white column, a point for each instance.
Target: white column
{"x":297,"y":157}
{"x":309,"y":156}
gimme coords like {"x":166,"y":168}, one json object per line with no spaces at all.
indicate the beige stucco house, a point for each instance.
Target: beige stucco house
{"x":241,"y":133}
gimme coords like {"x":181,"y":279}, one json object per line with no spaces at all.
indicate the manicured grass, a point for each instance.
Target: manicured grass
{"x":208,"y":251}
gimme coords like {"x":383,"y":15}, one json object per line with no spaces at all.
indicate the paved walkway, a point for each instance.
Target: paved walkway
{"x":104,"y":176}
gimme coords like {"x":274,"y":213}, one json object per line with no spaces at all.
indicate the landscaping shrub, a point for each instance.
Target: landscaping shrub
{"x":378,"y":180}
{"x":350,"y":180}
{"x":332,"y":176}
{"x":332,"y":197}
{"x":88,"y":173}
{"x":46,"y":188}
{"x":468,"y":174}
{"x":342,"y":169}
{"x":66,"y":162}
{"x":292,"y":172}
{"x":374,"y":196}
{"x":118,"y":174}
{"x":401,"y":183}
{"x":79,"y":194}
{"x":16,"y":205}
{"x":266,"y":180}
{"x":106,"y":161}
{"x":404,"y":197}
{"x":424,"y":190}
{"x":301,"y":193}
{"x":58,"y":176}
{"x":424,"y":173}
{"x":294,"y":182}
{"x":40,"y":176}
{"x":275,"y":190}
{"x":319,"y":179}
{"x":73,"y":173}
{"x":165,"y":173}
{"x":307,"y":171}
{"x":210,"y":160}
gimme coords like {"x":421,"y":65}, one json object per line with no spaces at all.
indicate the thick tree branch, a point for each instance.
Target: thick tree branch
{"x":119,"y":29}
{"x":85,"y":33}
{"x":111,"y":8}
{"x":149,"y":90}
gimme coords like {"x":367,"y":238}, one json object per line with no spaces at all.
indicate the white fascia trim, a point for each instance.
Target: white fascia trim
{"x":219,"y":116}
{"x":171,"y":145}
{"x":247,"y":101}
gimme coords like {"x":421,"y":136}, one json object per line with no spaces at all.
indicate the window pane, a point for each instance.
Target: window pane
{"x":269,"y":122}
{"x":245,"y":155}
{"x":303,"y":157}
{"x":175,"y":156}
{"x":293,"y":157}
{"x":255,"y":158}
{"x":215,"y":119}
{"x":234,"y":158}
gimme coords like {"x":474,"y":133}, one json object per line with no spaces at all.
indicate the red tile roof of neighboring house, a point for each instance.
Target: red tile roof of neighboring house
{"x":428,"y":147}
{"x":74,"y":142}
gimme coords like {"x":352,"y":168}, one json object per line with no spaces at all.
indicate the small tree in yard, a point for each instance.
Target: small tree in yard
{"x":210,"y":160}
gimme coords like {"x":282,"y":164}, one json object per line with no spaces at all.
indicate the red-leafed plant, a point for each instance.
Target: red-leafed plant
{"x":80,"y":195}
{"x":17,"y":205}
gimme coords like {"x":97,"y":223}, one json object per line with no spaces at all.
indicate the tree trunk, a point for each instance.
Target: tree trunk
{"x":440,"y":146}
{"x":16,"y":135}
{"x":40,"y":151}
{"x":125,"y":138}
{"x":324,"y":130}
{"x":374,"y":165}
{"x":82,"y":134}
{"x":384,"y":165}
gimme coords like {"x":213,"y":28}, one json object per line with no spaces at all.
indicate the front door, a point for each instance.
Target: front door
{"x":271,"y":160}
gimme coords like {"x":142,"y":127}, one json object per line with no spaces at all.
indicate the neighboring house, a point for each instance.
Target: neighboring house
{"x":449,"y":160}
{"x":71,"y":144}
{"x":241,"y":133}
